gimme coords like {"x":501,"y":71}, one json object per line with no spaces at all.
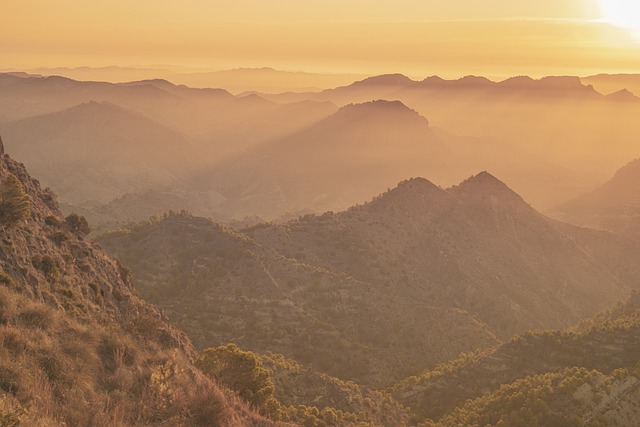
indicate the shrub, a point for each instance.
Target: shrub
{"x":59,"y":237}
{"x":241,"y":371}
{"x":78,"y":224}
{"x":11,"y":414}
{"x":14,"y":203}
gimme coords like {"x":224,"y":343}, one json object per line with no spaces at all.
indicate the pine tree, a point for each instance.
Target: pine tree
{"x":14,"y":203}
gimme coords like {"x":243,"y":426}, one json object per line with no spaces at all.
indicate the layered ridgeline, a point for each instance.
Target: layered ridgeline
{"x":614,"y":206}
{"x":334,"y":163}
{"x":103,"y":147}
{"x":588,"y":375}
{"x":78,"y":347}
{"x":383,"y":290}
{"x":225,"y":156}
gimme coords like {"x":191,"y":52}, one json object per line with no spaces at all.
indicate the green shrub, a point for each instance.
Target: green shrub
{"x":241,"y":371}
{"x":59,"y":237}
{"x":78,"y":224}
{"x":14,"y":202}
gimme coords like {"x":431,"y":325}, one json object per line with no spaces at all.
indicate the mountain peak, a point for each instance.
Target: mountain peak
{"x":411,"y":195}
{"x":475,"y":80}
{"x":379,"y":109}
{"x":483,"y":186}
{"x":417,"y":185}
{"x":550,"y":84}
{"x":629,"y":173}
{"x":396,"y":79}
{"x":623,"y":95}
{"x":463,"y":82}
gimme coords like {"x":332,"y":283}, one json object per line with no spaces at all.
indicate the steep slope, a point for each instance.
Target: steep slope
{"x":607,"y":344}
{"x":336,"y":162}
{"x":614,"y":206}
{"x":78,"y":346}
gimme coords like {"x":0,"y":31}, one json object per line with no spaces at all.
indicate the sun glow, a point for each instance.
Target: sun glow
{"x":622,"y":13}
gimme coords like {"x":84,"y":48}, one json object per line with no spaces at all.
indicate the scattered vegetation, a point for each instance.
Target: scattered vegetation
{"x":268,"y":383}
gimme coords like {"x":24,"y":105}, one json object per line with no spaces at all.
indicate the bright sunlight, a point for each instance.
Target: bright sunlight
{"x":622,"y":13}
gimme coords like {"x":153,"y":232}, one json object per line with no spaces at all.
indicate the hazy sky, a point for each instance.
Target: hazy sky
{"x":417,"y":37}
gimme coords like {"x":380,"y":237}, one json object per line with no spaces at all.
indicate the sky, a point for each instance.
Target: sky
{"x":416,"y":37}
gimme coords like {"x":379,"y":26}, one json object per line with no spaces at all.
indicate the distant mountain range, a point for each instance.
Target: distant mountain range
{"x":612,"y":83}
{"x":229,"y":156}
{"x":95,"y":152}
{"x":237,"y":80}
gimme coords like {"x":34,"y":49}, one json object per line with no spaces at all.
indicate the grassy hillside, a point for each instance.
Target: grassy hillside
{"x":78,"y":347}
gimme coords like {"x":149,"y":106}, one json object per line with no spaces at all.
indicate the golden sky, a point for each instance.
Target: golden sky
{"x":415,"y":37}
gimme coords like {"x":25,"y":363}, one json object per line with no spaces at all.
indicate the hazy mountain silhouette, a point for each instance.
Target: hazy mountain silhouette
{"x":212,"y":117}
{"x":623,"y":95}
{"x":95,"y":152}
{"x":113,"y":74}
{"x":610,"y":83}
{"x":335,"y":162}
{"x":548,"y":118}
{"x":264,"y":79}
{"x":614,"y":206}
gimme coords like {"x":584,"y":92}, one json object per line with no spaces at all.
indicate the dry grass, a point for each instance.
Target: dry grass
{"x":77,"y":374}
